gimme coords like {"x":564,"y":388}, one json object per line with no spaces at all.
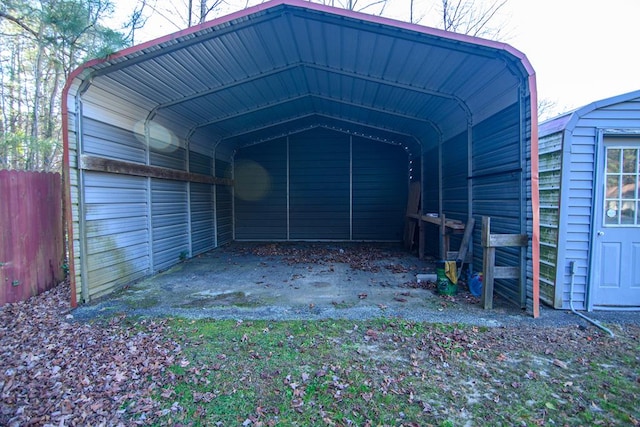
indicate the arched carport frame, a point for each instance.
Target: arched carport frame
{"x":151,"y":133}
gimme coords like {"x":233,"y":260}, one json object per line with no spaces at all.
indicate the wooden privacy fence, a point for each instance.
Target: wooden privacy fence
{"x":31,"y":234}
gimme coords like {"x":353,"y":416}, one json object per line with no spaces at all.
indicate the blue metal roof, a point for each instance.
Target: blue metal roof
{"x":287,"y":65}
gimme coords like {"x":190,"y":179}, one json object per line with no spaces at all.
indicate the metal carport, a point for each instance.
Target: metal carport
{"x":294,"y":121}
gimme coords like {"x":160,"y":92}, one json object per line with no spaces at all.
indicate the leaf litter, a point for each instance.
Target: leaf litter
{"x":55,"y":371}
{"x":132,"y":371}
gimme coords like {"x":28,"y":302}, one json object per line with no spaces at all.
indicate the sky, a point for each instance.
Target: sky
{"x":581,"y":50}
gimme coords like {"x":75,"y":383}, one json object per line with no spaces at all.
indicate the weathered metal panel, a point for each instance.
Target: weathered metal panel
{"x":202,"y":217}
{"x":31,"y":237}
{"x":319,"y":188}
{"x":116,"y":231}
{"x":260,"y":177}
{"x":380,"y":186}
{"x":104,"y":139}
{"x":170,"y":222}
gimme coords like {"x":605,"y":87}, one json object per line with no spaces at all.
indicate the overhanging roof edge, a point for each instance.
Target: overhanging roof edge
{"x":500,"y":46}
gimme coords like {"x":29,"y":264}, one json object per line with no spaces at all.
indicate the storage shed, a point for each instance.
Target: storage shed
{"x":295,"y":121}
{"x":589,"y":206}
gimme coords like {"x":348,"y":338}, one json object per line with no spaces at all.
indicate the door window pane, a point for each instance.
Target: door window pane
{"x":622,"y":180}
{"x":613,"y":160}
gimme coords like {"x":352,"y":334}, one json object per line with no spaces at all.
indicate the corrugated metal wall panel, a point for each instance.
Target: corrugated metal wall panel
{"x":455,"y":184}
{"x":202,"y":217}
{"x":260,"y":176}
{"x":169,"y":221}
{"x":200,"y":163}
{"x":319,"y":163}
{"x":224,"y":204}
{"x":116,"y":231}
{"x":497,"y":189}
{"x":380,"y":186}
{"x":320,"y":189}
{"x":104,"y":139}
{"x":172,"y":157}
{"x":431,"y":198}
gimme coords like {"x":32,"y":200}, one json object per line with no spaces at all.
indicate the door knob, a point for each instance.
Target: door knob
{"x":600,"y":233}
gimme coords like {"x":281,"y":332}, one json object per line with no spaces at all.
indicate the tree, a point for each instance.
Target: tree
{"x":472,"y":17}
{"x":43,"y":41}
{"x":182,"y":14}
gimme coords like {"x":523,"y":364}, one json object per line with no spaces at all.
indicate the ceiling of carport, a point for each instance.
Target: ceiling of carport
{"x":288,"y":65}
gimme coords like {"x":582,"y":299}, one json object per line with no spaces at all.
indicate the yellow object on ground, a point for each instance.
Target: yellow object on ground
{"x":451,"y":270}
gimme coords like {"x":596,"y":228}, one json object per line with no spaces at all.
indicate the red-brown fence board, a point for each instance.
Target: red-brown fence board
{"x":31,"y":234}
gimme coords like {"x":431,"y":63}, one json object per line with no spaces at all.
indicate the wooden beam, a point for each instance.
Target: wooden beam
{"x":502,"y":272}
{"x":101,"y":164}
{"x":502,"y":240}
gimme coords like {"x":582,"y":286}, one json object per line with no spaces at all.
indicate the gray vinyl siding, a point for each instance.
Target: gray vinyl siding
{"x":116,"y":231}
{"x":550,"y":172}
{"x":170,"y":222}
{"x":578,"y":166}
{"x":319,"y":188}
{"x":380,"y":187}
{"x":497,"y":191}
{"x":574,"y":230}
{"x":260,"y":176}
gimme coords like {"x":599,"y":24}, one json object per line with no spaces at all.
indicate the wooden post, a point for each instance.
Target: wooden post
{"x":443,"y":236}
{"x":488,"y":262}
{"x":464,"y":245}
{"x":421,"y":239}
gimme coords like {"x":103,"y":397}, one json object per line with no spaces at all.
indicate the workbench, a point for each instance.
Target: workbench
{"x":446,"y":226}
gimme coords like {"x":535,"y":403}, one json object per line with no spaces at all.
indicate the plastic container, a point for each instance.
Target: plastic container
{"x":443,"y":284}
{"x":475,"y":285}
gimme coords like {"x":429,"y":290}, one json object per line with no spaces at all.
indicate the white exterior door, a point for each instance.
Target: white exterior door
{"x":616,"y":261}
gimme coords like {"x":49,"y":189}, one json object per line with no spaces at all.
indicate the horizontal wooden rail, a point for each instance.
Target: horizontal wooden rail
{"x":101,"y":164}
{"x":491,"y":272}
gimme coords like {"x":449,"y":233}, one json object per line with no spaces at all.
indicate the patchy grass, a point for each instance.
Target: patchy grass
{"x":122,"y":370}
{"x":395,"y":372}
